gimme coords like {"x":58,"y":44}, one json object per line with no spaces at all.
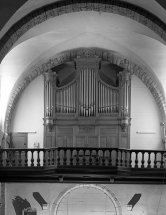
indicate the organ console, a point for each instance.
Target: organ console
{"x":87,"y":101}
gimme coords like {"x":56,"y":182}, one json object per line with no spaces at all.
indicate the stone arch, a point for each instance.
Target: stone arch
{"x":108,"y":56}
{"x":59,"y":8}
{"x":101,"y":187}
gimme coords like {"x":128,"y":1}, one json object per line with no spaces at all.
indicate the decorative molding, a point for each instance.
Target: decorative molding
{"x":59,"y":8}
{"x":100,"y":187}
{"x":87,"y":128}
{"x":70,"y":56}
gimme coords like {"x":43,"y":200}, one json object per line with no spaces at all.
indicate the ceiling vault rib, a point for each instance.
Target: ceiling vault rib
{"x":59,"y":8}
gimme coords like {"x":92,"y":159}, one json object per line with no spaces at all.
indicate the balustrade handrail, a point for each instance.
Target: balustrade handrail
{"x":85,"y":156}
{"x":85,"y":148}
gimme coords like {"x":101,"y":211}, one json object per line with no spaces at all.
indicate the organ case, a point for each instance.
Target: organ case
{"x":86,"y":107}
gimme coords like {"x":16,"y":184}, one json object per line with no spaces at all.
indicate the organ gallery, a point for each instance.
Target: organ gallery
{"x":90,"y":106}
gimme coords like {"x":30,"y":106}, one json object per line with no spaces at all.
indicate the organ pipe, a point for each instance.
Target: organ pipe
{"x":125,"y":86}
{"x":108,"y":98}
{"x":65,"y":98}
{"x":50,"y":80}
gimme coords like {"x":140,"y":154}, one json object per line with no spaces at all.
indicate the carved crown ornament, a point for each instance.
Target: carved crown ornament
{"x":87,"y":128}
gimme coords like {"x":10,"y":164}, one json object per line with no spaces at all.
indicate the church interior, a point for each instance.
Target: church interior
{"x":82,"y":107}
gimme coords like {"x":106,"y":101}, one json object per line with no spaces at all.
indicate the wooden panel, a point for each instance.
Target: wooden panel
{"x":107,"y":130}
{"x":112,"y":142}
{"x":69,"y":141}
{"x":64,"y":130}
{"x":92,"y":142}
{"x":103,"y":141}
{"x":86,"y":129}
{"x":124,"y":142}
{"x":60,"y":141}
{"x":80,"y":141}
{"x":49,"y":142}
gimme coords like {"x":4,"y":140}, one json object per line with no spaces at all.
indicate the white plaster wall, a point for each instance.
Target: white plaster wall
{"x":145,"y":116}
{"x":29,"y":112}
{"x":151,"y":202}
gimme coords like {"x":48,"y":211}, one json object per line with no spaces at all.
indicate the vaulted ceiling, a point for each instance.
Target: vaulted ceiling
{"x":100,"y":29}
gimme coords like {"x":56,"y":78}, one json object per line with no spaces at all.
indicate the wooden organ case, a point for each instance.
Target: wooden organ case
{"x":87,"y":112}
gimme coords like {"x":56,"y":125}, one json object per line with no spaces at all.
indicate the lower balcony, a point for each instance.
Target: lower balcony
{"x":64,"y":164}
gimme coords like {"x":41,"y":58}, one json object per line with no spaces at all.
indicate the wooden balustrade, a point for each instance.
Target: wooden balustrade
{"x":69,"y":156}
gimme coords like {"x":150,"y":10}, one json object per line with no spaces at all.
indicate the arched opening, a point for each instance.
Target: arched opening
{"x":86,"y":199}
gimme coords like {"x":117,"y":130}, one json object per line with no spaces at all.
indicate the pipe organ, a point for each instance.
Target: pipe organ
{"x":87,"y":111}
{"x":65,"y":101}
{"x":87,"y":93}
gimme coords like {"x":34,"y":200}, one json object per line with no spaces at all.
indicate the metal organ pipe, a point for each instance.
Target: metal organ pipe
{"x":65,"y":99}
{"x":108,"y":98}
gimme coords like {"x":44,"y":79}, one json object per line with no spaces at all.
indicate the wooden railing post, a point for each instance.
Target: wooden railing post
{"x":142,"y":161}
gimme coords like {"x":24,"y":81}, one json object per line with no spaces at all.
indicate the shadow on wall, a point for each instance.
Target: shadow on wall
{"x":39,"y":199}
{"x":134,"y":200}
{"x":20,"y":204}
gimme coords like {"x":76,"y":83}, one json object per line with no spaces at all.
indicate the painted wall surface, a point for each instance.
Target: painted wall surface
{"x":144,"y":199}
{"x":145,"y":118}
{"x":29,"y":112}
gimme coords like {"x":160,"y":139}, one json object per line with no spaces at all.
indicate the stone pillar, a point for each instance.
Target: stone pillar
{"x":124,"y":102}
{"x":50,"y":81}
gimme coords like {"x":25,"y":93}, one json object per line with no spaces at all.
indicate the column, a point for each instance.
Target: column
{"x":124,"y":103}
{"x":50,"y":81}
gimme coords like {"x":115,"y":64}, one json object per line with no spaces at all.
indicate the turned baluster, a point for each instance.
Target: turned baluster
{"x":110,"y":158}
{"x":48,"y":159}
{"x":32,"y":158}
{"x":19,"y":158}
{"x":38,"y":158}
{"x":26,"y":159}
{"x":53,"y":156}
{"x":84,"y":158}
{"x":162,"y":162}
{"x":44,"y":158}
{"x":130,"y":159}
{"x":65,"y":158}
{"x":155,"y":160}
{"x":77,"y":159}
{"x":103,"y":158}
{"x":136,"y":160}
{"x":13,"y":158}
{"x":58,"y":158}
{"x":149,"y":161}
{"x":121,"y":159}
{"x":126,"y":160}
{"x":90,"y":158}
{"x":7,"y":158}
{"x":117,"y":158}
{"x":97,"y":158}
{"x":71,"y":158}
{"x":142,"y":161}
